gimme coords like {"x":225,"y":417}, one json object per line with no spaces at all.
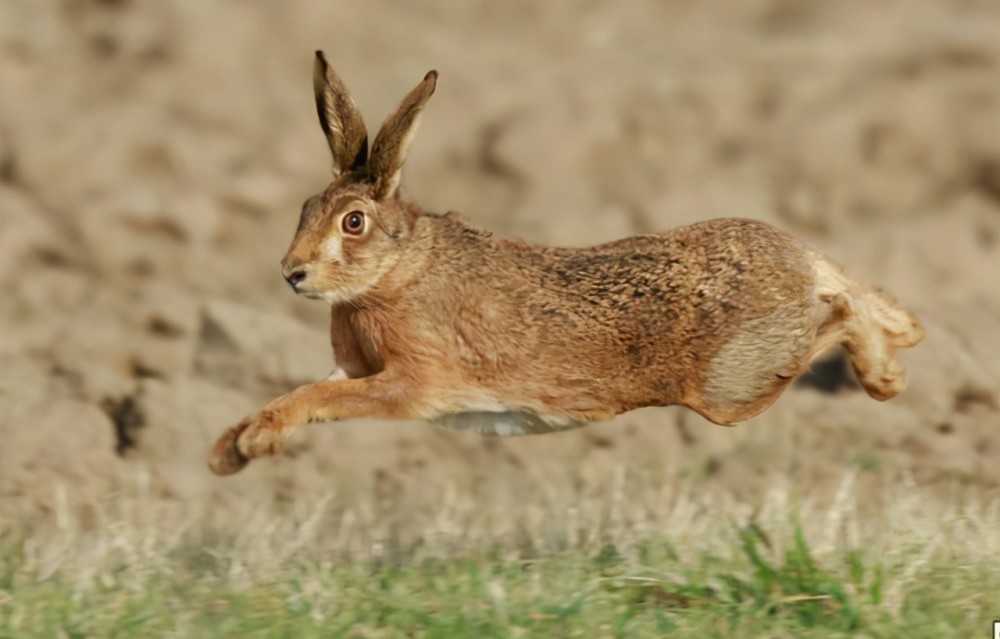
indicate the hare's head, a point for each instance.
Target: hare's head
{"x":349,"y":235}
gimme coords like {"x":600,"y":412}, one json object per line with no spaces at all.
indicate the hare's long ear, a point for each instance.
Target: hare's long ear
{"x":340,"y":118}
{"x":393,"y":139}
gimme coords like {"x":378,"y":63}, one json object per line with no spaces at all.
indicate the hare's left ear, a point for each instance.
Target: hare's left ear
{"x":340,"y":118}
{"x":393,"y":139}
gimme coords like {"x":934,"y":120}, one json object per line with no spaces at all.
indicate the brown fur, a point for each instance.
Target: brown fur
{"x":435,"y":319}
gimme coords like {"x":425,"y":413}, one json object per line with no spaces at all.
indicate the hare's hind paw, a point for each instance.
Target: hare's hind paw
{"x":225,"y":457}
{"x":882,"y":379}
{"x":876,"y":328}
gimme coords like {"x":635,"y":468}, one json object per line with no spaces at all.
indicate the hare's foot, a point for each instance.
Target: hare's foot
{"x":875,"y":330}
{"x":876,"y":366}
{"x":264,"y":435}
{"x":225,"y":458}
{"x":256,"y":436}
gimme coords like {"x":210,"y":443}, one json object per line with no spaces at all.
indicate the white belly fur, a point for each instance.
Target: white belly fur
{"x":503,"y":423}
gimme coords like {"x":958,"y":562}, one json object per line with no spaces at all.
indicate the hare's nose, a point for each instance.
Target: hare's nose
{"x":295,"y":278}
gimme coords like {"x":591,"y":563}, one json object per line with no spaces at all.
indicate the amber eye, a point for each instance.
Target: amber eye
{"x":354,"y":223}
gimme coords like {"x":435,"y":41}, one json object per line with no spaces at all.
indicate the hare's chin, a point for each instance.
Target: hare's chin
{"x":335,"y":297}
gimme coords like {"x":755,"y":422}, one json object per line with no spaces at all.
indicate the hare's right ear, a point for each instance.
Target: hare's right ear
{"x":393,"y":139}
{"x":340,"y":118}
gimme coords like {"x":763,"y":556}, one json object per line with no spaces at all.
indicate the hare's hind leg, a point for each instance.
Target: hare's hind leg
{"x":871,"y":326}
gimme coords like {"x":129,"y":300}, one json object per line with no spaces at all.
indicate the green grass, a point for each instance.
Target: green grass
{"x":644,"y":590}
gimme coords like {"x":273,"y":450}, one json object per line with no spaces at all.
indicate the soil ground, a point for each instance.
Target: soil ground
{"x":154,"y":157}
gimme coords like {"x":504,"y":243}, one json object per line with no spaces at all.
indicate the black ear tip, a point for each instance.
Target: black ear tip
{"x":320,"y":56}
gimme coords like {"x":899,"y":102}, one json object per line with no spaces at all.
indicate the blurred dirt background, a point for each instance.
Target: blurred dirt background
{"x":154,"y":156}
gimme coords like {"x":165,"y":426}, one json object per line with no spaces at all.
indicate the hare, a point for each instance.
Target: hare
{"x":434,"y":319}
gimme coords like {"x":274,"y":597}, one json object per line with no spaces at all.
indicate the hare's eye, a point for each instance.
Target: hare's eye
{"x":354,"y":223}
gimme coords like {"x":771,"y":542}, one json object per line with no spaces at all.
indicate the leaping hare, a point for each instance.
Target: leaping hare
{"x":434,"y":319}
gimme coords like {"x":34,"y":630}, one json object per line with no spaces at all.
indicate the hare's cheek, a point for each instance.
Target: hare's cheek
{"x":358,"y":253}
{"x":332,"y":250}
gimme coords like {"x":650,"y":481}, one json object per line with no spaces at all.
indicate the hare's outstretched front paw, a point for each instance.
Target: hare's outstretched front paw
{"x":264,"y":435}
{"x":225,"y":457}
{"x":255,"y":436}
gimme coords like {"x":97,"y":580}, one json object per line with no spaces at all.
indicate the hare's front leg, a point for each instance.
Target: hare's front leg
{"x":329,"y":400}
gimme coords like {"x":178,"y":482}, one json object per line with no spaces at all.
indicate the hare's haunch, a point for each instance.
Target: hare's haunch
{"x":437,"y":320}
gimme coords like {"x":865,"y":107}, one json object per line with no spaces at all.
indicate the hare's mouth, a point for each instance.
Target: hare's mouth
{"x":306,"y":289}
{"x":331,"y":298}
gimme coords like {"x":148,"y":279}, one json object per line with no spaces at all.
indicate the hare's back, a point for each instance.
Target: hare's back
{"x":702,"y":275}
